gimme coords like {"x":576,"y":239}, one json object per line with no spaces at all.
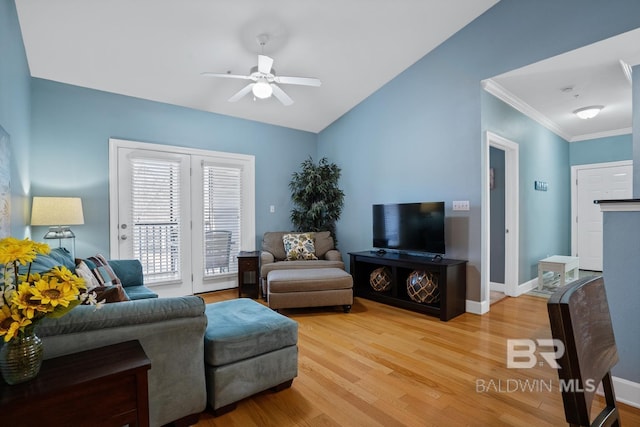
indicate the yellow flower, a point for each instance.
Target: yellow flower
{"x":41,"y":248}
{"x":53,"y":293}
{"x":21,"y":251}
{"x":11,"y":323}
{"x":66,"y":278}
{"x":5,"y":320}
{"x":33,"y":277}
{"x":25,"y":301}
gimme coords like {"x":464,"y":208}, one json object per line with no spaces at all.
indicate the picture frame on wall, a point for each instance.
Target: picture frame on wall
{"x":5,"y":184}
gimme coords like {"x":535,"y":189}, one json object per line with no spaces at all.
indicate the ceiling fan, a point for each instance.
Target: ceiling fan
{"x":263,"y":79}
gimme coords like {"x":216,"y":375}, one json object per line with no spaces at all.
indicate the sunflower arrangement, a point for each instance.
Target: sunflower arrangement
{"x":27,"y":298}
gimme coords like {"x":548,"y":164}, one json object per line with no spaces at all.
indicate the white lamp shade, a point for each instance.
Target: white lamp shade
{"x":57,"y":211}
{"x":262,"y":90}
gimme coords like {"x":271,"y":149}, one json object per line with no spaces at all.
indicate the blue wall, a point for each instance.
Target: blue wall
{"x":621,"y":231}
{"x":71,"y":127}
{"x":15,"y":113}
{"x":419,"y":136}
{"x":600,"y":150}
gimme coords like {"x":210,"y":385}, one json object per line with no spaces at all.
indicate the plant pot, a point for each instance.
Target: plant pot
{"x":21,"y":358}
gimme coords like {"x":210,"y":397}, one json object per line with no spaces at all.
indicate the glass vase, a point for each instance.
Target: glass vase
{"x":21,"y":358}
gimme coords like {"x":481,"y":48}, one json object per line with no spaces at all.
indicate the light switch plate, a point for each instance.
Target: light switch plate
{"x":460,"y":205}
{"x":540,"y":185}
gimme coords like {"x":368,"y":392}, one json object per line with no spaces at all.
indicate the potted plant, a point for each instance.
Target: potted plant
{"x":316,"y":196}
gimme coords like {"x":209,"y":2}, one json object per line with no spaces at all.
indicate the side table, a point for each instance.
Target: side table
{"x":559,"y":264}
{"x":105,"y":386}
{"x":249,"y":272}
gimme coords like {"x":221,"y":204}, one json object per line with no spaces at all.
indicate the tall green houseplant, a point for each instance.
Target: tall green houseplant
{"x":316,"y":197}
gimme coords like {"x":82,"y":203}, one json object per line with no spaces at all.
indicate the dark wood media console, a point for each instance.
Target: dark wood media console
{"x":451,"y":277}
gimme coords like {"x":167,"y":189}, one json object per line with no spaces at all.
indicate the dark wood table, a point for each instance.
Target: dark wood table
{"x":249,"y":272}
{"x":105,"y":386}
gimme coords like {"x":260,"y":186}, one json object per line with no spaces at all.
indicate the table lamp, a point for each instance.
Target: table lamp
{"x":56,"y":211}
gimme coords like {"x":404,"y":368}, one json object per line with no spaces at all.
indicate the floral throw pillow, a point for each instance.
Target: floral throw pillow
{"x":299,"y":246}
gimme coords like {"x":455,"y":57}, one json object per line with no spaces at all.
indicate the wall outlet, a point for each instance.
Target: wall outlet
{"x":460,"y":205}
{"x":272,"y":209}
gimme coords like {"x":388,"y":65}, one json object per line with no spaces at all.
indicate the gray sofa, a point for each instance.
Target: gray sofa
{"x":272,"y":255}
{"x":170,"y":330}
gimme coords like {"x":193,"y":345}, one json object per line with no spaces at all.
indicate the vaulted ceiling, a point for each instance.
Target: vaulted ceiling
{"x":157,"y":50}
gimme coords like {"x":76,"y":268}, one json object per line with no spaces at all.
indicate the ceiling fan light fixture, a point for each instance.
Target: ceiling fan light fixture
{"x":262,"y":90}
{"x":588,"y":112}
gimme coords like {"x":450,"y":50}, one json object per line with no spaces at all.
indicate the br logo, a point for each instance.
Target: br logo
{"x":521,"y":353}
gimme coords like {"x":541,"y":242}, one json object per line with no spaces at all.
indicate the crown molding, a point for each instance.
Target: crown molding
{"x":626,"y":69}
{"x":504,"y":95}
{"x":605,"y":134}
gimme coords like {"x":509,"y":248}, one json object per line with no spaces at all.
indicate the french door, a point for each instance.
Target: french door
{"x":183,"y":213}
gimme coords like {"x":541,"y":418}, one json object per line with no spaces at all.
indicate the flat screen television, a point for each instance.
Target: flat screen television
{"x":410,"y":227}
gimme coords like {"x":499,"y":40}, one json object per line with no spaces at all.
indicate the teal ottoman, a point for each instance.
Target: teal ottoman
{"x":248,"y":348}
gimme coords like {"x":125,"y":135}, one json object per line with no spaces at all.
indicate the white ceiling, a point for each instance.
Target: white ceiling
{"x":551,"y":90}
{"x":156,"y":49}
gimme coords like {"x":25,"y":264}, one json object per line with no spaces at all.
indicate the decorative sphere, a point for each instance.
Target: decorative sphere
{"x":422,"y":287}
{"x":380,"y":279}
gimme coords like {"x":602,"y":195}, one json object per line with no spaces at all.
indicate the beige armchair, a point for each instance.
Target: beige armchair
{"x":272,"y":255}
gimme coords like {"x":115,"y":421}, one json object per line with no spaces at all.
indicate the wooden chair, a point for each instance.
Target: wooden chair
{"x":579,"y":317}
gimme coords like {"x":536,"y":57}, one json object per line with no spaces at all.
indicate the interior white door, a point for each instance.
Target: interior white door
{"x":597,"y":183}
{"x":154,"y":217}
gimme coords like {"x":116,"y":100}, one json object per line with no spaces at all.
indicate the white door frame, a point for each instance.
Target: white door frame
{"x":248,"y":240}
{"x":574,"y":195}
{"x":512,"y":209}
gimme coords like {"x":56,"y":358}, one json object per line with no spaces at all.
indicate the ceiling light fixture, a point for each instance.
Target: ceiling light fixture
{"x":588,"y":112}
{"x":262,"y":90}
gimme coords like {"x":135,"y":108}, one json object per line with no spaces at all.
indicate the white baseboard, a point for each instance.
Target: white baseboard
{"x":477,"y":307}
{"x":527,"y":286}
{"x":626,"y":391}
{"x":498,"y":287}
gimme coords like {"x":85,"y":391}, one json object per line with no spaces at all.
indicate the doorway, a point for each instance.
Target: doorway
{"x":497,"y":224}
{"x":500,"y":213}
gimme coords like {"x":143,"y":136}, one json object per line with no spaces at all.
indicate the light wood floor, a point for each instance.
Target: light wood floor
{"x":384,"y":366}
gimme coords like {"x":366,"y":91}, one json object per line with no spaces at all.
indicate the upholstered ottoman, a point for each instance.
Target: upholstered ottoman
{"x":310,"y":287}
{"x":248,"y":348}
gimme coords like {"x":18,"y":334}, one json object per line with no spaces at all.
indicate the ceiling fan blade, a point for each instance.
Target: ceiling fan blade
{"x":242,"y":92}
{"x":282,"y":97}
{"x":264,"y":64}
{"x":229,"y":76}
{"x":304,"y":81}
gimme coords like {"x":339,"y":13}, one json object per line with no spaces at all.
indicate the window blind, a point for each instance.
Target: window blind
{"x":222,"y":205}
{"x":156,"y":217}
